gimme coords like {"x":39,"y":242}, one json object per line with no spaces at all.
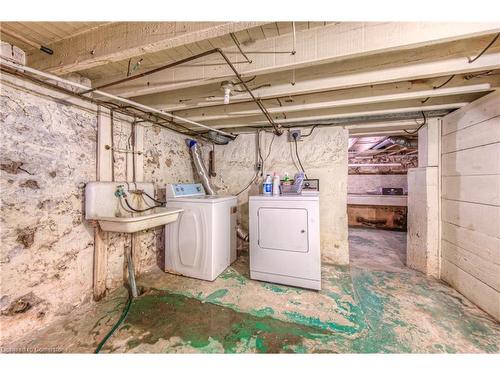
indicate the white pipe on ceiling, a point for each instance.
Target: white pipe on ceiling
{"x":40,"y":73}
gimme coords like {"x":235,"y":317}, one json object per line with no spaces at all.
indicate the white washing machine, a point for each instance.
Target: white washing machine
{"x":202,"y":242}
{"x":285,"y":240}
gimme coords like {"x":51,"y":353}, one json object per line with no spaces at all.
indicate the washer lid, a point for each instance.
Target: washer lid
{"x":203,"y":199}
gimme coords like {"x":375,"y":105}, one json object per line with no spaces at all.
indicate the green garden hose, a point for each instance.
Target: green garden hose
{"x":120,"y":321}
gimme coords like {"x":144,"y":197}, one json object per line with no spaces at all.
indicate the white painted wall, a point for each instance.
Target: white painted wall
{"x":423,"y":220}
{"x":470,"y":198}
{"x":422,"y":238}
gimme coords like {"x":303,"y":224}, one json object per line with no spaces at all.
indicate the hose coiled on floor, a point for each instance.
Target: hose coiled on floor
{"x":115,"y":327}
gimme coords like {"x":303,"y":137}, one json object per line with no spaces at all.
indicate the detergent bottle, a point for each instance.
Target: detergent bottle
{"x":267,"y":187}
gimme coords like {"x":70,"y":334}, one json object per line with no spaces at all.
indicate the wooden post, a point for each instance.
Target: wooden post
{"x":139,"y":155}
{"x":138,"y":160}
{"x":104,"y":164}
{"x":136,"y":249}
{"x":100,"y":263}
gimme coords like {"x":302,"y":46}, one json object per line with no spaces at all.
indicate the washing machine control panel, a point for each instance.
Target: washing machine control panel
{"x":184,"y":190}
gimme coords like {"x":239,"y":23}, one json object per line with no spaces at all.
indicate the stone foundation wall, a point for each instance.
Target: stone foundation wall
{"x":48,"y":154}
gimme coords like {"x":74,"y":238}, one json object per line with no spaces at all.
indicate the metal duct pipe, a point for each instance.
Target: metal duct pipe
{"x":404,"y":142}
{"x":241,"y":233}
{"x":199,"y":166}
{"x":202,"y":172}
{"x":385,"y":142}
{"x":400,"y":141}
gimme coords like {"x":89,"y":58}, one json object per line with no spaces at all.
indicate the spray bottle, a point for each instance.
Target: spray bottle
{"x":276,"y":184}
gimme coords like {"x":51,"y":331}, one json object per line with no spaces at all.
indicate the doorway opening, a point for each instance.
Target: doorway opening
{"x":377,"y":191}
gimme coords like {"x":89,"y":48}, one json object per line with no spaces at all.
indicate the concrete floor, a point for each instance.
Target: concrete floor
{"x":376,"y":305}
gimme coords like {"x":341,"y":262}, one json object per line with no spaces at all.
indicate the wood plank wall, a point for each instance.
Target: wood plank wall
{"x":470,"y":198}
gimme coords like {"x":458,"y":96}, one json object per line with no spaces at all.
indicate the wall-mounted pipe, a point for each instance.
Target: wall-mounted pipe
{"x":144,"y":116}
{"x":277,"y":128}
{"x":202,"y":172}
{"x":110,"y":96}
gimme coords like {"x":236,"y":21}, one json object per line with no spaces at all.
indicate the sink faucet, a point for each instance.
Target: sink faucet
{"x":120,"y":191}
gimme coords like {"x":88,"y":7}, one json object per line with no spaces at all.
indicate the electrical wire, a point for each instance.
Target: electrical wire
{"x":248,"y":81}
{"x":485,"y":49}
{"x":298,"y":157}
{"x":125,"y":208}
{"x":261,"y":160}
{"x":145,"y":201}
{"x":141,"y":210}
{"x":444,"y":83}
{"x":420,"y":127}
{"x":470,"y":62}
{"x":117,"y":324}
{"x":248,"y":185}
{"x":269,"y":150}
{"x":153,"y":199}
{"x":311,"y":131}
{"x":438,"y":87}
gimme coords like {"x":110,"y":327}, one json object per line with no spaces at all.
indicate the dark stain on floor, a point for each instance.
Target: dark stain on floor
{"x":166,"y":315}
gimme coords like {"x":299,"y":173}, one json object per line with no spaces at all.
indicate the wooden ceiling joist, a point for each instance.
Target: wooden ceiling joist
{"x":319,"y":46}
{"x":374,"y":70}
{"x":119,"y":41}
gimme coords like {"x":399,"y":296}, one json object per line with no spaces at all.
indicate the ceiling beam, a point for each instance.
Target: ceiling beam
{"x":218,"y":113}
{"x":381,"y":127}
{"x":321,"y":45}
{"x":124,"y":40}
{"x":356,"y":111}
{"x":411,"y":65}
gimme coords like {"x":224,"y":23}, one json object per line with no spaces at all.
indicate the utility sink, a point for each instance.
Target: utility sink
{"x":104,"y":205}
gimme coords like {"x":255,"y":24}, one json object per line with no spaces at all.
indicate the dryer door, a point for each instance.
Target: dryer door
{"x":283,"y":229}
{"x":285,"y":239}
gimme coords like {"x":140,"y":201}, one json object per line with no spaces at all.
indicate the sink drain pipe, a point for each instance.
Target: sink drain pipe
{"x":202,"y":172}
{"x":133,"y":293}
{"x":130,"y":267}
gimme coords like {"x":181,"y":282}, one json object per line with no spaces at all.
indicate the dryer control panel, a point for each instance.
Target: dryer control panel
{"x":184,"y":190}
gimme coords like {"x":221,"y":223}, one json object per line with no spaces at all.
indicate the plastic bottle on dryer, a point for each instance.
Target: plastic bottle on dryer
{"x":276,"y":184}
{"x":267,"y":187}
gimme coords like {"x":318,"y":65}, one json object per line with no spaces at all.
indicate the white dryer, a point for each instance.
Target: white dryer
{"x":202,"y":242}
{"x":285,"y":240}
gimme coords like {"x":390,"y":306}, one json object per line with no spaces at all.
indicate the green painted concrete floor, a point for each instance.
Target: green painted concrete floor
{"x":377,"y":305}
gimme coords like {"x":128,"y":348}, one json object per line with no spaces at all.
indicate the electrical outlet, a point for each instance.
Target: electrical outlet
{"x":294,"y":133}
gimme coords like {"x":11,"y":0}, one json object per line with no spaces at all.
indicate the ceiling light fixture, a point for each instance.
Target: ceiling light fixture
{"x":227,"y":86}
